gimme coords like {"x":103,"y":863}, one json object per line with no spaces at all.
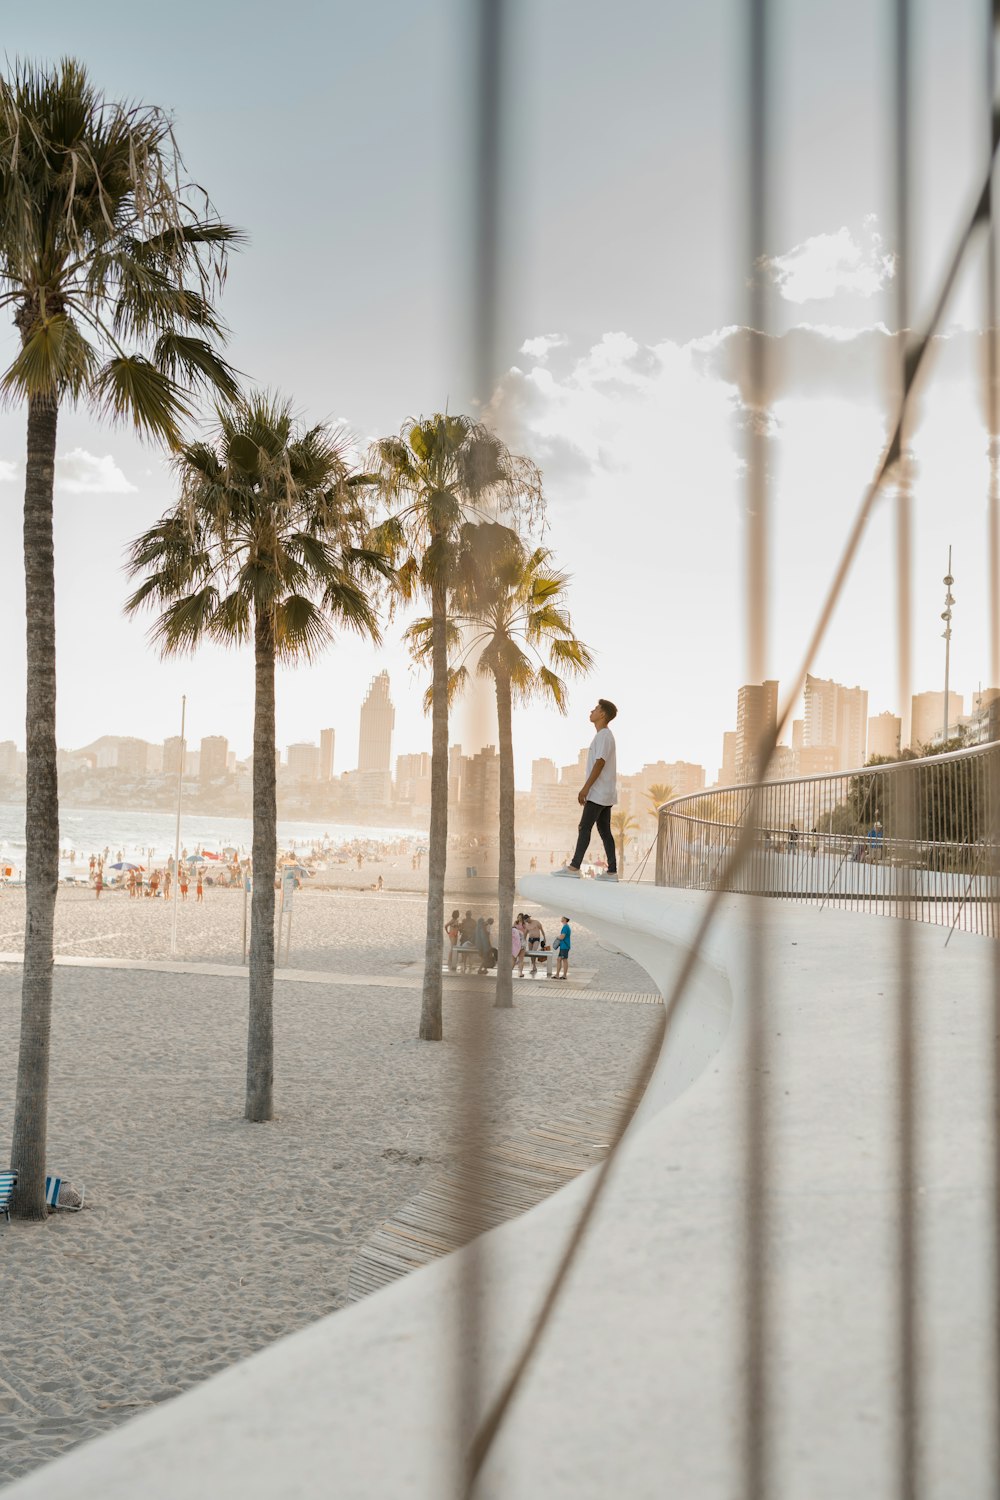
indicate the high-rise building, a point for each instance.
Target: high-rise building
{"x":681,"y":776}
{"x":927,"y":717}
{"x":543,"y":773}
{"x":377,"y":720}
{"x":212,"y":757}
{"x":132,"y":756}
{"x":413,"y":779}
{"x":836,"y":715}
{"x":327,"y":739}
{"x":303,"y":762}
{"x":798,"y":734}
{"x":756,"y":716}
{"x":727,"y":773}
{"x":884,"y":733}
{"x":576,"y":774}
{"x":170,"y":763}
{"x":480,"y":795}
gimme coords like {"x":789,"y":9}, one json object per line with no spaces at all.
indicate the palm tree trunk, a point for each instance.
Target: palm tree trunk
{"x":506,"y":882}
{"x":431,"y":1022}
{"x":41,"y":865}
{"x":260,"y":1034}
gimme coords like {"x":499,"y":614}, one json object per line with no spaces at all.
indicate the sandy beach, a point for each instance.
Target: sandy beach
{"x":203,"y":1238}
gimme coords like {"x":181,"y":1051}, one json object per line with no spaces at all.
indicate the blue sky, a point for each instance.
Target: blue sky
{"x":338,"y":136}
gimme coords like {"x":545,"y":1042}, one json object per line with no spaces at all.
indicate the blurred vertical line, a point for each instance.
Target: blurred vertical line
{"x":989,"y":830}
{"x":471,"y":1330}
{"x":489,"y":73}
{"x":906,"y":1081}
{"x":756,"y":1308}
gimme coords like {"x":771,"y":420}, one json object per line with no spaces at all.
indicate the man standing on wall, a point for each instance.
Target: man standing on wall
{"x":598,"y":794}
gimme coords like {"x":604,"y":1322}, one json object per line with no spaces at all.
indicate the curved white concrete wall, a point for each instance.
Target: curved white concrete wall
{"x":636,"y":1389}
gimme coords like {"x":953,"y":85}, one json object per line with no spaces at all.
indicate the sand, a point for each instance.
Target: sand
{"x":203,"y":1238}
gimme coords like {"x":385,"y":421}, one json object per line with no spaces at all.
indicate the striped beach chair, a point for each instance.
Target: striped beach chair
{"x":8,"y":1182}
{"x":52,"y":1186}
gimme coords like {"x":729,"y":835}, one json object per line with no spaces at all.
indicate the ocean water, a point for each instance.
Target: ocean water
{"x":92,"y":830}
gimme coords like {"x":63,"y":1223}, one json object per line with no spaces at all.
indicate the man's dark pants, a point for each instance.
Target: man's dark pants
{"x":595,"y":814}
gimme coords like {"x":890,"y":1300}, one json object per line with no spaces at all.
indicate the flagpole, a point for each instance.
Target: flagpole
{"x":177,"y":831}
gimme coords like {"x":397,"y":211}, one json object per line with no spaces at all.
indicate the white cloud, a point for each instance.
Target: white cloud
{"x":81,"y":473}
{"x":8,"y":471}
{"x":827,"y":264}
{"x":539,"y":348}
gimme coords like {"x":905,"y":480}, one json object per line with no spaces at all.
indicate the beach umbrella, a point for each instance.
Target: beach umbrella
{"x":124,"y":865}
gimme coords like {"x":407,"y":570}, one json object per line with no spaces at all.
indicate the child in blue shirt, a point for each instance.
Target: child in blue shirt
{"x":562,"y":950}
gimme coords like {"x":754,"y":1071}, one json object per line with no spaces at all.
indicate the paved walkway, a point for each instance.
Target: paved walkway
{"x":522,"y":987}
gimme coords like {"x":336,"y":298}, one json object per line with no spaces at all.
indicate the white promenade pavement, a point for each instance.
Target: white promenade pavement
{"x":636,"y":1389}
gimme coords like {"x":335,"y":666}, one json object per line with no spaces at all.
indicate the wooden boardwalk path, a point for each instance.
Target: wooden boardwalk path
{"x":480,"y":1191}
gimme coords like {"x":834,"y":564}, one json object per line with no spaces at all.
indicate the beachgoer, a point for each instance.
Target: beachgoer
{"x":184,"y":885}
{"x":534,"y":863}
{"x":484,"y":943}
{"x":466,"y":938}
{"x":598,"y":794}
{"x":562,"y":949}
{"x":516,"y":943}
{"x":534,"y":937}
{"x":166,"y":885}
{"x":98,"y":884}
{"x":452,"y":932}
{"x":199,"y":890}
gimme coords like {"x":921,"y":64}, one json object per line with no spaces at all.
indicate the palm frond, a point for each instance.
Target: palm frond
{"x":54,"y":360}
{"x":193,"y":361}
{"x":130,"y":388}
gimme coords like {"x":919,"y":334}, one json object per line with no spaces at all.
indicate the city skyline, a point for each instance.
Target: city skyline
{"x":834,"y":733}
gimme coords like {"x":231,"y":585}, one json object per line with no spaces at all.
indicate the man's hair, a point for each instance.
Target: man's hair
{"x":610,"y":712}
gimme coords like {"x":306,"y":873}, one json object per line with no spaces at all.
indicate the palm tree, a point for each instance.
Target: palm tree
{"x":657,"y":794}
{"x":263,"y":546}
{"x":109,"y":260}
{"x":622,"y":825}
{"x":509,"y":616}
{"x":439,"y":473}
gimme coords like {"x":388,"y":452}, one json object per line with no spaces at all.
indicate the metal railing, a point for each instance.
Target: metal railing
{"x":911,"y":838}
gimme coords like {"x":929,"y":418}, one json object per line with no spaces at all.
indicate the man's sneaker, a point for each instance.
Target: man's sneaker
{"x":569,"y":871}
{"x":607,"y":875}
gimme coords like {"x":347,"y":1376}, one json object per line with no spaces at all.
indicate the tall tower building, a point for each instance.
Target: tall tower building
{"x":727,"y":771}
{"x":838,"y":716}
{"x":212,"y":759}
{"x":303,"y":762}
{"x":377,"y":719}
{"x":756,"y":715}
{"x":884,"y":733}
{"x":927,"y":717}
{"x":327,"y":740}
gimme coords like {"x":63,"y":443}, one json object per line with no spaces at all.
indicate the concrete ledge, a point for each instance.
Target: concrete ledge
{"x":636,"y":1389}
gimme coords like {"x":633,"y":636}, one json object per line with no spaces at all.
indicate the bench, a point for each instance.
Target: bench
{"x":8,"y":1182}
{"x":547,"y":956}
{"x":467,"y":950}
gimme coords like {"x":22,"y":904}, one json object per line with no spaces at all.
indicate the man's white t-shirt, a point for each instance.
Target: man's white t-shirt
{"x":605,"y":788}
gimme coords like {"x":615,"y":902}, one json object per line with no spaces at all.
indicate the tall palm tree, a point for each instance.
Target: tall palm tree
{"x":656,"y":795}
{"x":109,"y":261}
{"x":436,"y":475}
{"x":622,"y":825}
{"x":509,"y":617}
{"x":263,"y":546}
